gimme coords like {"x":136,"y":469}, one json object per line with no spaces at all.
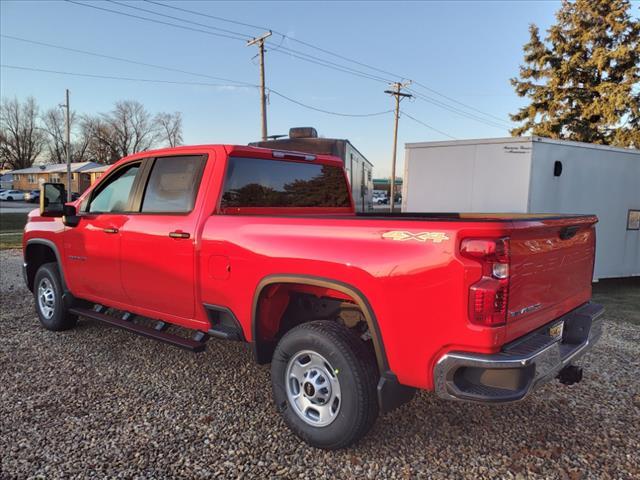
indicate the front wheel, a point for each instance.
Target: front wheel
{"x":324,"y":384}
{"x":47,"y":290}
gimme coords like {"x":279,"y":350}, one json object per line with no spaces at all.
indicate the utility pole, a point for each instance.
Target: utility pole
{"x":67,"y":127}
{"x":399,"y":95}
{"x":263,"y":95}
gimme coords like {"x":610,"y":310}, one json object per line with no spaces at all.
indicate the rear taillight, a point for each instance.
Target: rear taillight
{"x":488,"y":297}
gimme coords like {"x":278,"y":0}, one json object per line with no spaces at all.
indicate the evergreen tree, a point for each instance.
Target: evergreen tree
{"x":583,"y":80}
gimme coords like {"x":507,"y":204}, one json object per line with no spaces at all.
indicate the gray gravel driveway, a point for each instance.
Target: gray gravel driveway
{"x":100,"y":402}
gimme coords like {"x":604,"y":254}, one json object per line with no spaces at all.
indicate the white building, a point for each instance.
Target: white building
{"x":534,"y":175}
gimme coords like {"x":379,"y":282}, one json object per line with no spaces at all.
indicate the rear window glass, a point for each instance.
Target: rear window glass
{"x":173,"y":184}
{"x":252,"y":182}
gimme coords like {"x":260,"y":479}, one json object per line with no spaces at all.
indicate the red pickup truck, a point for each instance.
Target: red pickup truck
{"x":353,"y":311}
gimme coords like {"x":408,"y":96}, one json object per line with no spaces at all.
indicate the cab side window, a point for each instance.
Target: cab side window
{"x":173,"y":184}
{"x":114,"y":195}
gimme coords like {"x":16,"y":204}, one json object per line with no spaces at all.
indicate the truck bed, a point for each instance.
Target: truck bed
{"x":470,"y":217}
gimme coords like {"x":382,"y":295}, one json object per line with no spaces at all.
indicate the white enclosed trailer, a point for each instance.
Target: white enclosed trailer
{"x":534,"y":175}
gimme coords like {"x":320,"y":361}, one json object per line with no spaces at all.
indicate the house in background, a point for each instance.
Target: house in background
{"x":31,"y":178}
{"x":6,"y":180}
{"x":95,"y":173}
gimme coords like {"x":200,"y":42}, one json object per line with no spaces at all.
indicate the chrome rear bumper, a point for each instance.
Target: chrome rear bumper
{"x":522,"y":365}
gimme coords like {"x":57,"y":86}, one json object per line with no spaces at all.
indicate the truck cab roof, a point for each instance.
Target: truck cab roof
{"x":241,"y":151}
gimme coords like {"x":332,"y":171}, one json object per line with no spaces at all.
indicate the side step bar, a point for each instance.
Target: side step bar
{"x":150,"y":332}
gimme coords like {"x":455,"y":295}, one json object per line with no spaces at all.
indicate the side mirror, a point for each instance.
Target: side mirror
{"x":70,"y":217}
{"x":52,"y":198}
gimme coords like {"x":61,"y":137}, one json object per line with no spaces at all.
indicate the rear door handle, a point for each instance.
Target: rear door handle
{"x":178,"y":234}
{"x":110,"y":230}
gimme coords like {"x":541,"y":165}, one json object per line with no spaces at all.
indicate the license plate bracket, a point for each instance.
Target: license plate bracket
{"x":556,"y":330}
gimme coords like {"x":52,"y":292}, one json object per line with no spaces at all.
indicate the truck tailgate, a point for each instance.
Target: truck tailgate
{"x":551,"y":270}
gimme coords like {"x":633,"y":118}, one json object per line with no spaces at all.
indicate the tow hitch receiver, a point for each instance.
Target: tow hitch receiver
{"x":570,"y":375}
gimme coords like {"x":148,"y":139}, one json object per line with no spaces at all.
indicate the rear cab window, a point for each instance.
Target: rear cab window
{"x":173,"y":184}
{"x":254,"y":183}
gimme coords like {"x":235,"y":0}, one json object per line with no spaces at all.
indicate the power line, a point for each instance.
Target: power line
{"x":180,"y":82}
{"x":375,"y":114}
{"x":222,"y":19}
{"x":231,"y":32}
{"x":305,"y":57}
{"x":283,"y":35}
{"x":117,"y":77}
{"x":295,"y":53}
{"x":460,"y":103}
{"x":153,"y":20}
{"x":428,"y":126}
{"x":456,"y":110}
{"x":328,"y":65}
{"x":232,"y":81}
{"x":337,"y":55}
{"x":126,"y":60}
{"x":235,"y":35}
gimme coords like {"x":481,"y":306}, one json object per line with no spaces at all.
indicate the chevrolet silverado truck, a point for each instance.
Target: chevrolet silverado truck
{"x":354,"y":312}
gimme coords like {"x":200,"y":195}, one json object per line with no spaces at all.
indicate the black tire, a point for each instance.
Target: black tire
{"x":9,"y":199}
{"x":354,"y":366}
{"x":52,"y":314}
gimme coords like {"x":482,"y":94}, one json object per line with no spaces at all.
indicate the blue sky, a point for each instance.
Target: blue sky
{"x":464,"y":50}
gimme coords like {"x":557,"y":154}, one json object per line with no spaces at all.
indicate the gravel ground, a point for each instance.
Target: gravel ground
{"x":100,"y":402}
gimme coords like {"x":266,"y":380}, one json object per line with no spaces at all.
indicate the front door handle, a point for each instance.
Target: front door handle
{"x":110,"y":230}
{"x":178,"y":234}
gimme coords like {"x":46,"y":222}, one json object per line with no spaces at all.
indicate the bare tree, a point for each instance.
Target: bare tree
{"x":127,"y":129}
{"x":21,"y":141}
{"x":170,"y":126}
{"x":80,"y":147}
{"x":133,"y":128}
{"x":54,"y":125}
{"x":99,"y":138}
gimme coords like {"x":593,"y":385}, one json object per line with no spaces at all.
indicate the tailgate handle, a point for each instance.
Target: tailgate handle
{"x":179,"y":234}
{"x":568,"y":232}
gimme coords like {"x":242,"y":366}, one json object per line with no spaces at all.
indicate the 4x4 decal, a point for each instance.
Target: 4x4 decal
{"x":402,"y":236}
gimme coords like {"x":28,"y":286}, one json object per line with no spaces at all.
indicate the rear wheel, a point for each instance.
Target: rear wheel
{"x":48,"y":292}
{"x":324,"y":384}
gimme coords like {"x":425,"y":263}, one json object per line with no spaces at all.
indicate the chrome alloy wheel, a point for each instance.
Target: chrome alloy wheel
{"x":46,"y":298}
{"x":313,"y":388}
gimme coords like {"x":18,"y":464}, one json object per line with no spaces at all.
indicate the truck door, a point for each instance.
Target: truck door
{"x":158,"y":243}
{"x":93,"y":246}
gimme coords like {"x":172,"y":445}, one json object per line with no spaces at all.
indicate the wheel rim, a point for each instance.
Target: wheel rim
{"x":313,"y":388}
{"x":46,"y":298}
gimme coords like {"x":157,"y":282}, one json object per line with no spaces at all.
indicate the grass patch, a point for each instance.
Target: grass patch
{"x":10,"y":240}
{"x":13,"y":222}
